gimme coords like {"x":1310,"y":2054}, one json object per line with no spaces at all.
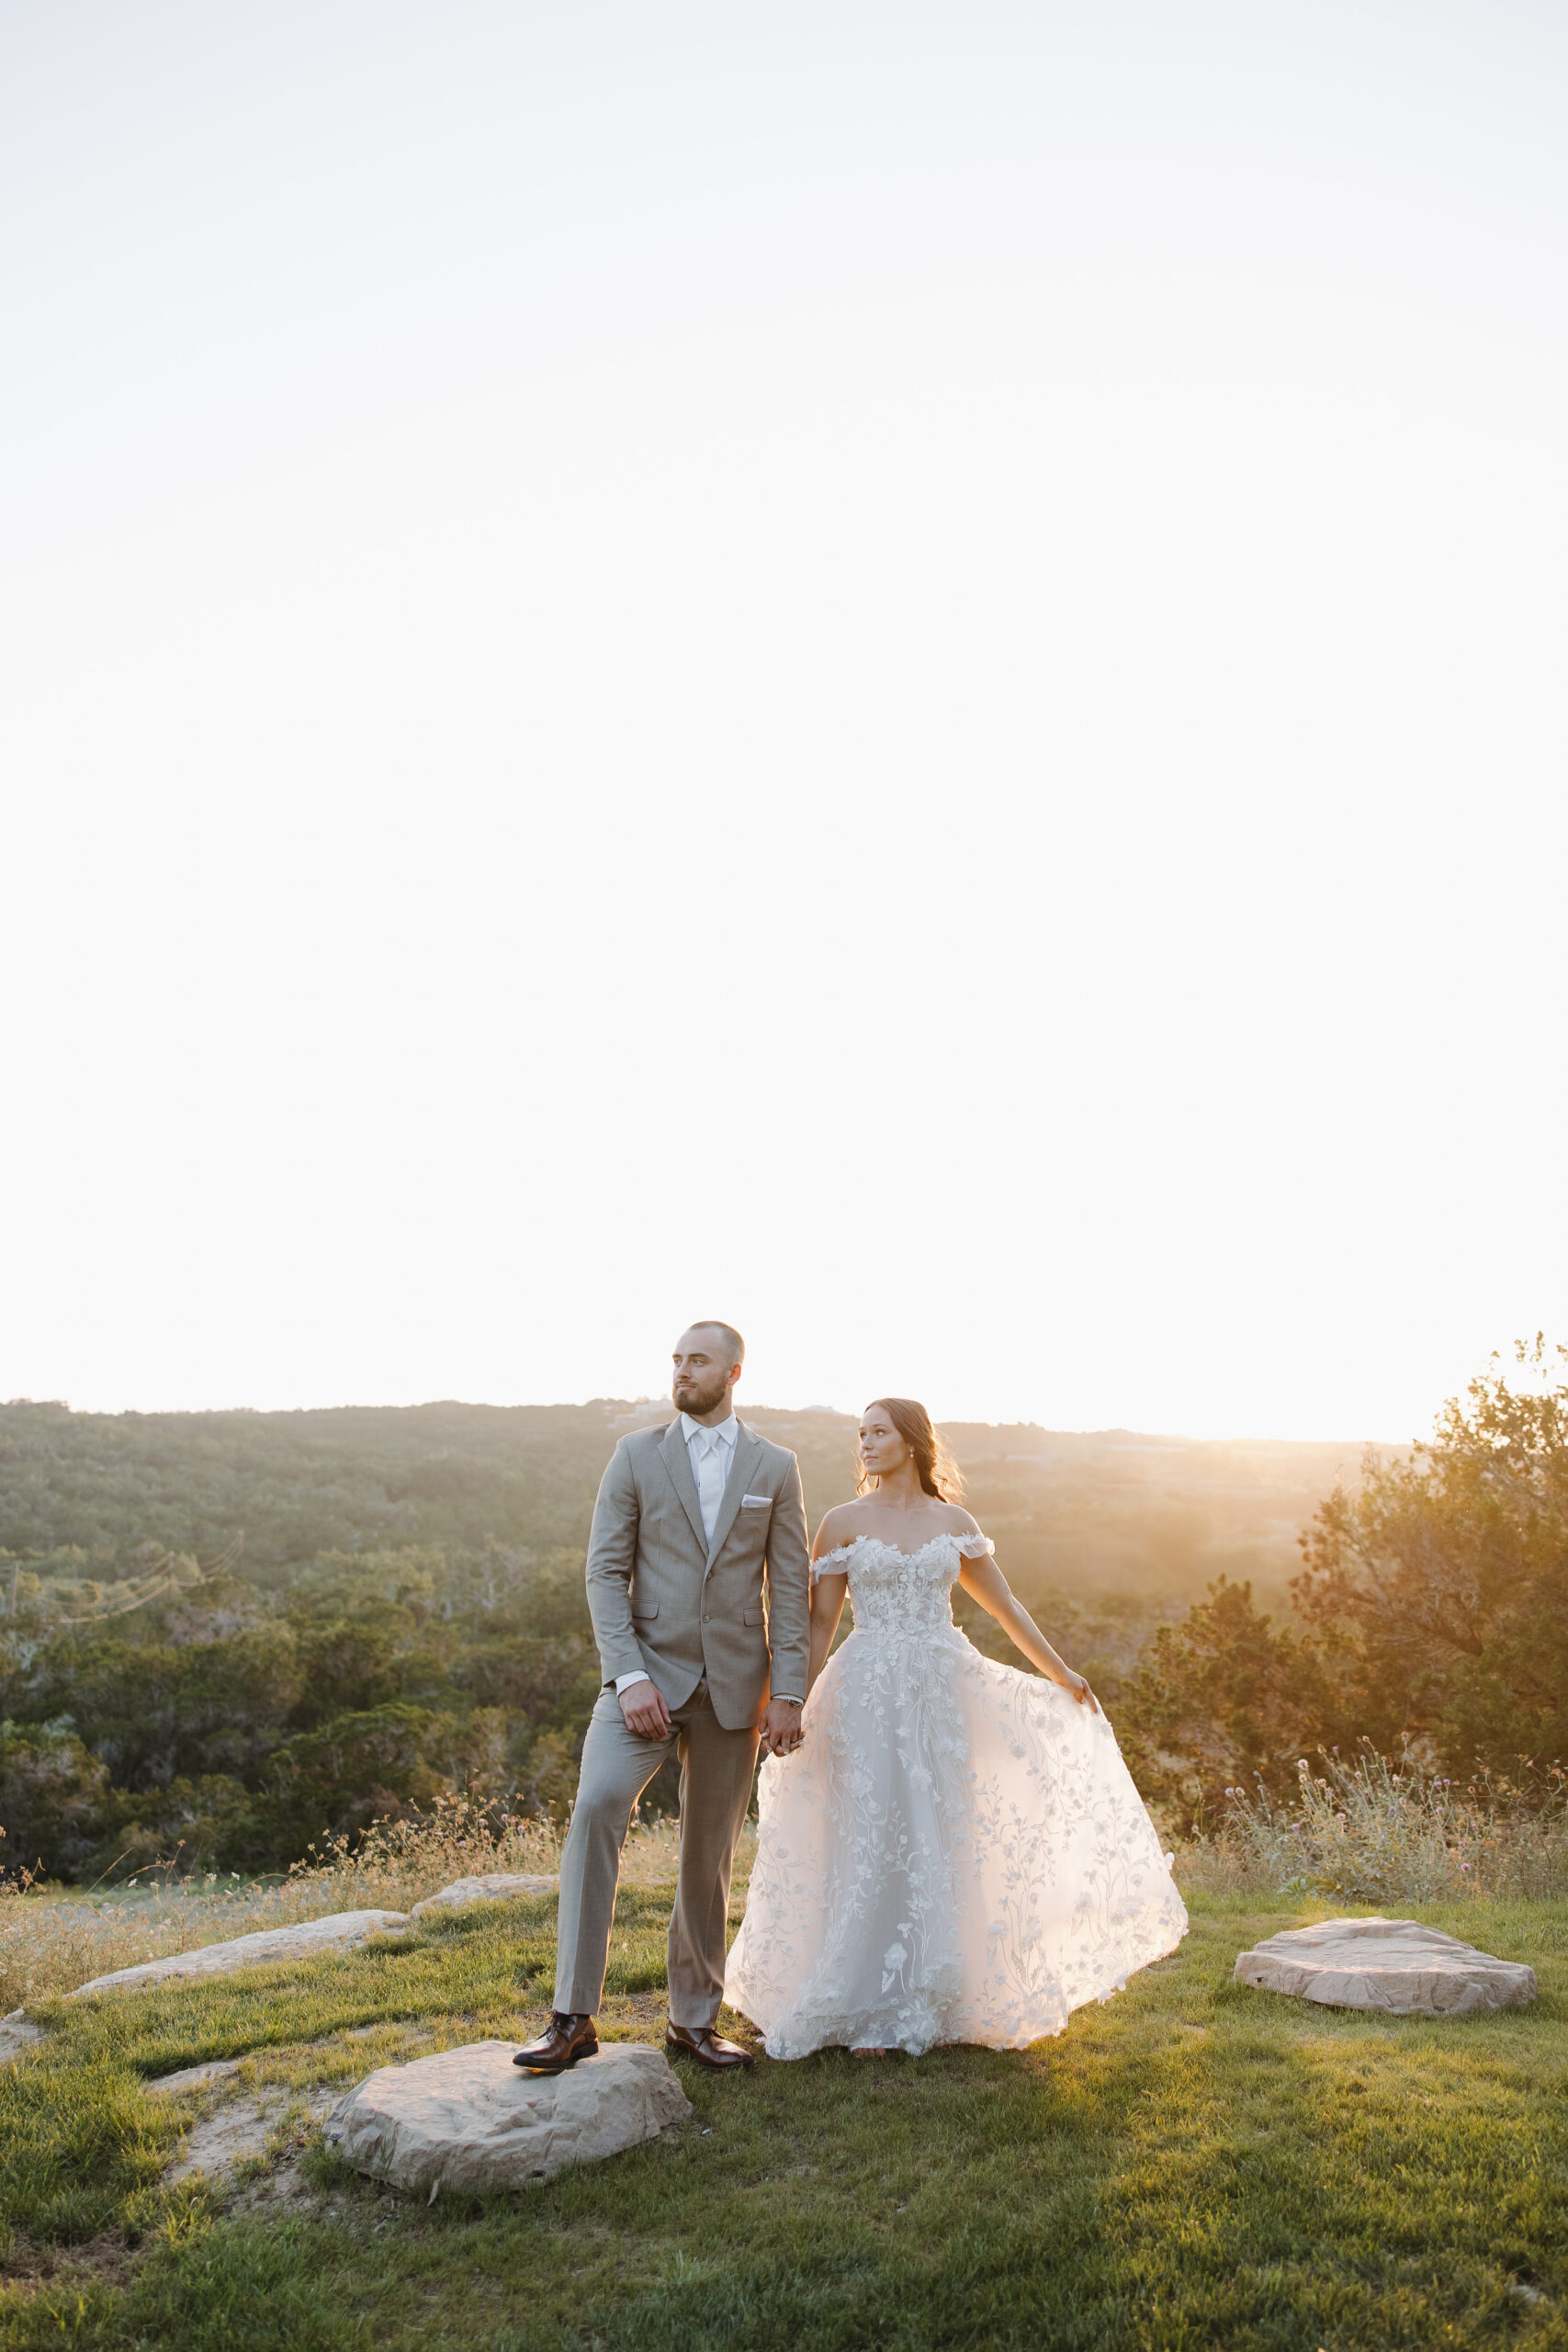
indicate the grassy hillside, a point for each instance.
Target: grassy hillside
{"x":1194,"y":2164}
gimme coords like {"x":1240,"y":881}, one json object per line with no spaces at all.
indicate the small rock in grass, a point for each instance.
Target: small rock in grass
{"x":1397,"y":1966}
{"x":341,"y":1931}
{"x":17,"y":2035}
{"x":493,"y":1886}
{"x":194,"y":2079}
{"x":468,"y":2118}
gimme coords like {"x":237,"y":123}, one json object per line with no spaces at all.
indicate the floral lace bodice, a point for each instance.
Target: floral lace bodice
{"x":902,"y":1592}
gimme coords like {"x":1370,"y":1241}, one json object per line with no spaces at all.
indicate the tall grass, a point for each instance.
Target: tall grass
{"x":1367,"y":1831}
{"x":51,"y":1940}
{"x":1378,"y":1831}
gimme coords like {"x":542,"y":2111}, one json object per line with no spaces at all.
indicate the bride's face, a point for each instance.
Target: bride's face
{"x":882,"y":1450}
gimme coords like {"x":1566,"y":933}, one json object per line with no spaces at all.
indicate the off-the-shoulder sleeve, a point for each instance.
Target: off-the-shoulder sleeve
{"x":832,"y":1564}
{"x":975,"y":1547}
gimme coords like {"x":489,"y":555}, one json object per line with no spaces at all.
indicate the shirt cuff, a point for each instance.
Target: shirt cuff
{"x":625,"y":1681}
{"x":788,"y":1697}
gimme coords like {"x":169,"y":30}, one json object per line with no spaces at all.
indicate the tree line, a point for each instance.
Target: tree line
{"x":152,"y":1711}
{"x":1429,"y":1615}
{"x":228,"y":1728}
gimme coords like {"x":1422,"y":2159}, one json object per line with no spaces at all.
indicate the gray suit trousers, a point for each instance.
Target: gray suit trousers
{"x":715,"y":1787}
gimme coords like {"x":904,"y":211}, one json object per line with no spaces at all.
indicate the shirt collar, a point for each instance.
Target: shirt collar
{"x":725,"y":1431}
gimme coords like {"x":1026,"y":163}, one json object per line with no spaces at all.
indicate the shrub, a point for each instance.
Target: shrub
{"x":379,"y":1764}
{"x":1378,"y":1831}
{"x":51,"y":1792}
{"x":1446,"y":1577}
{"x":1224,"y":1696}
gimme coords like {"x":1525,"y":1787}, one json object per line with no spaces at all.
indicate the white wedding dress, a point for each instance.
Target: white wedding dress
{"x":956,"y":1851}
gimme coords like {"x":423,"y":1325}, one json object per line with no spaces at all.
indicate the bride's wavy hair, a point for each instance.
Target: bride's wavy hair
{"x":939,"y":1474}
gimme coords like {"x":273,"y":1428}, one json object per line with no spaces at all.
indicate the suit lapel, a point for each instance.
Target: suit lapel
{"x":678,"y":1466}
{"x":747,"y":1453}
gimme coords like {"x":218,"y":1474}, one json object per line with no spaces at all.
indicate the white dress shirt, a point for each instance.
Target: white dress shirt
{"x":710,"y":1449}
{"x":711,"y":1452}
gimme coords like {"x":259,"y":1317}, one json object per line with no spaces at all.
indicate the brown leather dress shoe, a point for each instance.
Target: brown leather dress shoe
{"x":563,"y":2041}
{"x":709,"y":2049}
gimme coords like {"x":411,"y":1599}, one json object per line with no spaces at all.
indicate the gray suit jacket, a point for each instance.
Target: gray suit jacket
{"x":666,"y":1603}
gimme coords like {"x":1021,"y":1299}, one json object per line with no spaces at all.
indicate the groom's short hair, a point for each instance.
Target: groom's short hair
{"x":726,"y":1333}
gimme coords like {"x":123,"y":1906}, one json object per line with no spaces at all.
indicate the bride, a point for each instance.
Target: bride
{"x":956,"y":1851}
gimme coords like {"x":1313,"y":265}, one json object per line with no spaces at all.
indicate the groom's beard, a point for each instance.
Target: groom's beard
{"x":693,"y":1397}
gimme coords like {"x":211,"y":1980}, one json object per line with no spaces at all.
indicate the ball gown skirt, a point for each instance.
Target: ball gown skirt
{"x":956,"y":1851}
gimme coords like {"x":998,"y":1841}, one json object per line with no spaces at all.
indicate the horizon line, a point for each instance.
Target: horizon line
{"x":649,"y":1406}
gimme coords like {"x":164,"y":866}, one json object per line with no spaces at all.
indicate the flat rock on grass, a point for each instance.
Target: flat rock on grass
{"x":341,"y":1931}
{"x":493,"y":1886}
{"x":194,"y":2079}
{"x":1395,"y":1965}
{"x":468,"y":2118}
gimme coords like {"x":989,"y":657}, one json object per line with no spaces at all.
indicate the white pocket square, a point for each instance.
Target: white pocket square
{"x":756,"y":1502}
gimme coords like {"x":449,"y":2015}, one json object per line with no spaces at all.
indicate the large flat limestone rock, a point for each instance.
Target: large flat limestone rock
{"x":1395,"y":1965}
{"x":493,"y":1886}
{"x":468,"y":2118}
{"x":341,"y":1931}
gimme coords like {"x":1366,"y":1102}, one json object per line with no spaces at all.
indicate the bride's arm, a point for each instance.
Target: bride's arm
{"x":827,"y":1591}
{"x":827,"y":1608}
{"x":984,"y":1582}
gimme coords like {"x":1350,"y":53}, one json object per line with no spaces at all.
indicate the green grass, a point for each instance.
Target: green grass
{"x":1196,"y":2164}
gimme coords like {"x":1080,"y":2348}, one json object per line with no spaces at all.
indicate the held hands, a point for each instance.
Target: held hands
{"x":645,"y":1713}
{"x":780,"y":1726}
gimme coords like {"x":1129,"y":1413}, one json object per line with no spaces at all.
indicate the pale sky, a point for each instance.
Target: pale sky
{"x":895,"y":671}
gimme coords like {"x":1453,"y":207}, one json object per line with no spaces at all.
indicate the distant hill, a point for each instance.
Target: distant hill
{"x":1083,"y":1514}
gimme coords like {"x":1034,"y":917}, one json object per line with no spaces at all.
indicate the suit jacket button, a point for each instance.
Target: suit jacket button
{"x":707,"y":1620}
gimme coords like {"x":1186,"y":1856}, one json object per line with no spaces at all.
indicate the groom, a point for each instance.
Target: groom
{"x":693,"y":1521}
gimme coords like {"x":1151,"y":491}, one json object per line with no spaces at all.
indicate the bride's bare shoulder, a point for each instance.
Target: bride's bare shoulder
{"x":956,"y":1521}
{"x":839,"y":1526}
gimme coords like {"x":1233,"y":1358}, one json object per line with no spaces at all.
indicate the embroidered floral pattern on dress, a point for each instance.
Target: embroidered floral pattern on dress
{"x":955,"y":1852}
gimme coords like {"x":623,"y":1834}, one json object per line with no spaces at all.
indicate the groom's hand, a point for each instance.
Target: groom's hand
{"x":780,"y":1726}
{"x":642,"y":1704}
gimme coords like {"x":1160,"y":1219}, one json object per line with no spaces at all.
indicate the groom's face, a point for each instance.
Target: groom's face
{"x":703,"y":1375}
